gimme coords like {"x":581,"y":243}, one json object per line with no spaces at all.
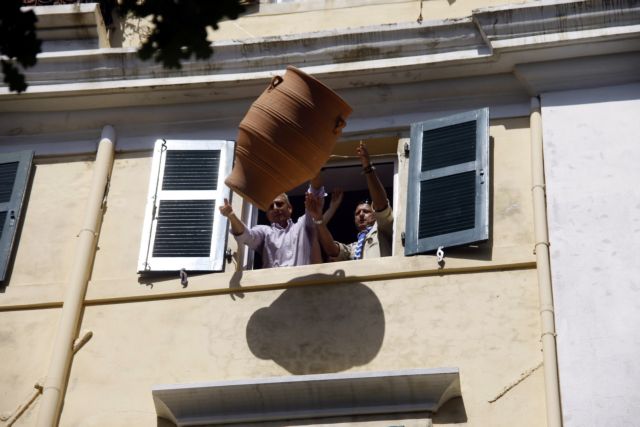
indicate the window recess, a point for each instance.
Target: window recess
{"x":15,"y":169}
{"x":346,"y":175}
{"x":183,"y":228}
{"x":448,"y":190}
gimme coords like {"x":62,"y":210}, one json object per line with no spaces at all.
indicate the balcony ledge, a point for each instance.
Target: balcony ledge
{"x":70,"y":27}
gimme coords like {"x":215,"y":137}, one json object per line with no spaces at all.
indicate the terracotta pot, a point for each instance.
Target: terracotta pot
{"x":286,"y":136}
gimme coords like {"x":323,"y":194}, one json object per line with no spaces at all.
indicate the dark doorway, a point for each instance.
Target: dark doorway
{"x":354,"y":185}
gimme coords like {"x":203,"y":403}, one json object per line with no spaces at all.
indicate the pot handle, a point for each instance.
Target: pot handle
{"x":274,"y":82}
{"x":340,"y":123}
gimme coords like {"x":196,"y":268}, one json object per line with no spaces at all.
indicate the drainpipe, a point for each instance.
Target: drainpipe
{"x":55,"y":383}
{"x":548,"y":338}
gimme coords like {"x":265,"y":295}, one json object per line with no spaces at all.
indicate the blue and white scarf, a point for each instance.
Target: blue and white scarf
{"x":360,"y":244}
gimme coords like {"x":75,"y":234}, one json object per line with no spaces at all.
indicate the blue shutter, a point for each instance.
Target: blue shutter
{"x":448,"y":193}
{"x":183,"y":227}
{"x":15,"y":169}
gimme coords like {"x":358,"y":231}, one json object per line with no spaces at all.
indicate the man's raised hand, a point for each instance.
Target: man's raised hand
{"x":313,"y":205}
{"x":226,"y":208}
{"x":363,"y":153}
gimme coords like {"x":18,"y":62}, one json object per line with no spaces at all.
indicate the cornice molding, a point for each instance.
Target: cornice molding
{"x":390,"y":74}
{"x":70,"y":26}
{"x":126,"y":287}
{"x":434,"y":47}
{"x":352,"y":49}
{"x":531,"y":22}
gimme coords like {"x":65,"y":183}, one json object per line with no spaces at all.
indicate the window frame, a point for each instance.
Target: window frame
{"x":250,"y":216}
{"x":215,"y":262}
{"x":15,"y":204}
{"x":480,"y":231}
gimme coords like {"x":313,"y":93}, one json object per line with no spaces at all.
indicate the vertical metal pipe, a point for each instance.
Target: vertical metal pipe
{"x":55,"y":382}
{"x":547,"y":318}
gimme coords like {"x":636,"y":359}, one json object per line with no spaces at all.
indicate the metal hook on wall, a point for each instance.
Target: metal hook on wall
{"x":184,"y":280}
{"x":440,"y":256}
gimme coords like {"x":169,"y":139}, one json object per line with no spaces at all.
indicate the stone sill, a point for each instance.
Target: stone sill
{"x":60,"y":26}
{"x":472,"y":41}
{"x":133,"y":288}
{"x":271,"y":7}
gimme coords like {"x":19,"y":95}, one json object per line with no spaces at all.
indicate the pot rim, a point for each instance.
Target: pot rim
{"x":327,"y":88}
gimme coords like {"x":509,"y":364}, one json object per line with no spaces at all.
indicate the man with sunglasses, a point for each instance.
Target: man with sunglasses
{"x":284,"y":243}
{"x":373,"y":219}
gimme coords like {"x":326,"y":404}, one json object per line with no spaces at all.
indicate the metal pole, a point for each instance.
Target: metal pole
{"x":55,"y":383}
{"x":547,"y":318}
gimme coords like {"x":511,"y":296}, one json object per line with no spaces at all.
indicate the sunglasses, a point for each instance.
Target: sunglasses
{"x":277,"y":204}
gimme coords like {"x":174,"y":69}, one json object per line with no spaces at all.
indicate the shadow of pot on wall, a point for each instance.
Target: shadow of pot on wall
{"x":319,"y":329}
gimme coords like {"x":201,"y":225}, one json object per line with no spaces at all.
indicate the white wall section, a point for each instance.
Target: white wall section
{"x":592,"y":150}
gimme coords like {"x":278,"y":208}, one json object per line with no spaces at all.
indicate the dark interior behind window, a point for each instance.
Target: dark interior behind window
{"x":354,"y":185}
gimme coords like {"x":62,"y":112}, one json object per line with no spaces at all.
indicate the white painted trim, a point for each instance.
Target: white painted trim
{"x":143,"y":138}
{"x":63,"y":9}
{"x":522,"y":5}
{"x":273,"y":7}
{"x":584,"y":35}
{"x":315,"y":396}
{"x":215,"y":262}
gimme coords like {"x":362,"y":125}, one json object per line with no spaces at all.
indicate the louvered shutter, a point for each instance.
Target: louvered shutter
{"x":15,"y":169}
{"x":448,"y":194}
{"x":183,"y":227}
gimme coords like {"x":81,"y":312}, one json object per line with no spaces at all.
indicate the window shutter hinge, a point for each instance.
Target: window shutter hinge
{"x":406,"y":149}
{"x":440,"y":256}
{"x":184,"y":279}
{"x":403,"y":238}
{"x":155,"y":208}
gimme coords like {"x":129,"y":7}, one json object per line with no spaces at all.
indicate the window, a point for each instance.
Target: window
{"x":15,"y":169}
{"x":183,"y":227}
{"x":344,"y":171}
{"x":348,"y":176}
{"x":448,"y":191}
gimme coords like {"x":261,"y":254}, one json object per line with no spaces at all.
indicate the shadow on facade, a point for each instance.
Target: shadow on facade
{"x":319,"y":329}
{"x":452,"y":412}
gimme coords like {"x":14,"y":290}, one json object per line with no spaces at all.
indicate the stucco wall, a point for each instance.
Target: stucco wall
{"x":55,"y":206}
{"x":485,"y":324}
{"x":122,"y":225}
{"x":591,"y":154}
{"x":150,"y":331}
{"x":57,"y":198}
{"x":298,"y":17}
{"x":26,"y":342}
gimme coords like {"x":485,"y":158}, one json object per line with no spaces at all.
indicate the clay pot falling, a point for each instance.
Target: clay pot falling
{"x":286,"y":137}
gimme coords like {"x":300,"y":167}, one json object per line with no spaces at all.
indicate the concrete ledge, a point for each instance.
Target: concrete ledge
{"x":384,"y":48}
{"x":380,"y":46}
{"x":71,"y":27}
{"x":132,"y":288}
{"x":307,"y":396}
{"x":534,"y":20}
{"x":271,"y":7}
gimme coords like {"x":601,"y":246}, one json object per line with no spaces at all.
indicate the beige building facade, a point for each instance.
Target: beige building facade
{"x":474,"y":328}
